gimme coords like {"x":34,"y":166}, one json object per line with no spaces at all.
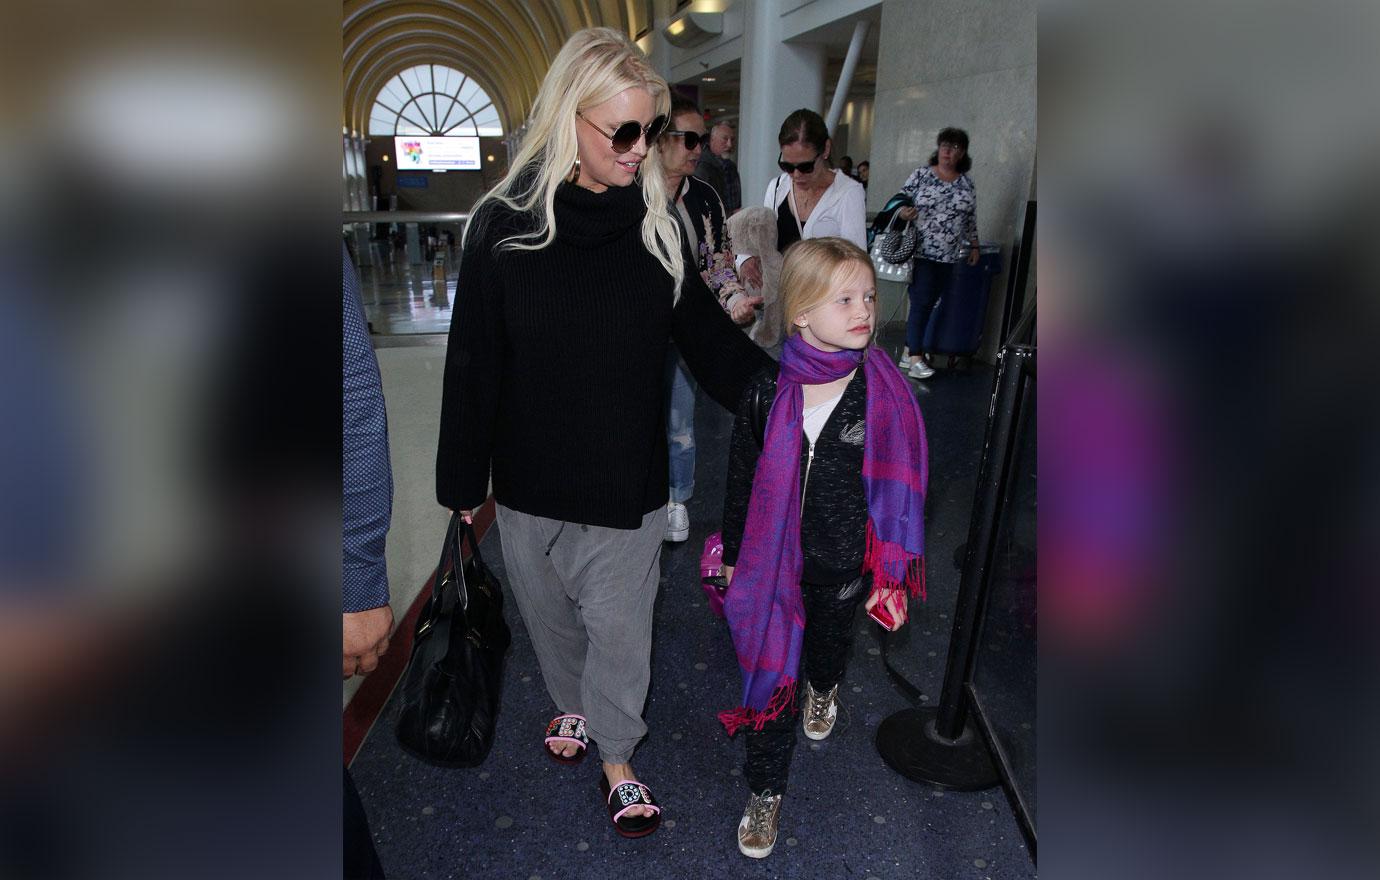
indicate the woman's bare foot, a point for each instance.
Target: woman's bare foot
{"x":565,"y":750}
{"x":616,"y":773}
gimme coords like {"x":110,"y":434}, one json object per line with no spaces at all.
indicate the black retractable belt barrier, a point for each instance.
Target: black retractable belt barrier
{"x":943,"y":745}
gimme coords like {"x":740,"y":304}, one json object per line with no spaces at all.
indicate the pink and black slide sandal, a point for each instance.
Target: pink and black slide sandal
{"x":624,"y":796}
{"x":566,"y":729}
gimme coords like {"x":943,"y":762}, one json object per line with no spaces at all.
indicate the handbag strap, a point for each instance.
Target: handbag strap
{"x":468,"y":530}
{"x":461,"y":530}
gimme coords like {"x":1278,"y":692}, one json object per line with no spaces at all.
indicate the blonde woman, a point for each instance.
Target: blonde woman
{"x":573,"y":281}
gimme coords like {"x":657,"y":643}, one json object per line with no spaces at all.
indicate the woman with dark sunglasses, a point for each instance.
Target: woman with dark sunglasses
{"x":810,"y":198}
{"x":574,"y":278}
{"x":701,"y":214}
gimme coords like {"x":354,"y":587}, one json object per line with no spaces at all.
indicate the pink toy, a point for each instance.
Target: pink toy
{"x":711,"y":573}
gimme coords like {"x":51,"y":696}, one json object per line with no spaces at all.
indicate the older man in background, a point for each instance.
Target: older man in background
{"x":719,"y":171}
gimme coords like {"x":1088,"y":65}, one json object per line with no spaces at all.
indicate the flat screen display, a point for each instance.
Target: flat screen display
{"x":436,"y":153}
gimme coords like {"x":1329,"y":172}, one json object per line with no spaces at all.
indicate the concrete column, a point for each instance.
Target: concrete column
{"x":850,"y":64}
{"x":777,"y":78}
{"x":659,"y":54}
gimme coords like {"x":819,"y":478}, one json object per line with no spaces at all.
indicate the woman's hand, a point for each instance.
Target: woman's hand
{"x":973,"y":256}
{"x":744,"y":311}
{"x":894,"y":601}
{"x":466,"y":515}
{"x":751,"y":272}
{"x":909,"y":212}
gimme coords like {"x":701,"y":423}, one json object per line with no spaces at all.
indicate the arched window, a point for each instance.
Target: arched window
{"x":431,"y":100}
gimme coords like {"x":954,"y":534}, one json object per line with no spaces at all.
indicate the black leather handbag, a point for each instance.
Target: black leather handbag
{"x":450,"y":691}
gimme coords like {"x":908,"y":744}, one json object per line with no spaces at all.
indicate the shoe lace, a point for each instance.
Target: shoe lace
{"x":759,"y":812}
{"x":820,"y":703}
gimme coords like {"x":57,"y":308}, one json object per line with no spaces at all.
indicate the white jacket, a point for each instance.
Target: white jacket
{"x":841,"y":210}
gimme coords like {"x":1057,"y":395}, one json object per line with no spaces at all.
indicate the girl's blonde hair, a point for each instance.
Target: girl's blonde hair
{"x":592,"y":67}
{"x":807,"y":277}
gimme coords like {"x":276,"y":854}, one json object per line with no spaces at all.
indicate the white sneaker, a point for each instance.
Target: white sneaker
{"x":904,"y":362}
{"x":677,"y":522}
{"x":920,"y":370}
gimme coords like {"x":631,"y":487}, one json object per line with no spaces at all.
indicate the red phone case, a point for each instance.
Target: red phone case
{"x":879,"y":613}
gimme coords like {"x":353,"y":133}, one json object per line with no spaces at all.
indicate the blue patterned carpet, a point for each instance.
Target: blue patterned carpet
{"x":847,"y":814}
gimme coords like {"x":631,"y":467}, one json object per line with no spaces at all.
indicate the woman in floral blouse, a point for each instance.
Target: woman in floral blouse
{"x":944,"y":199}
{"x":701,"y":214}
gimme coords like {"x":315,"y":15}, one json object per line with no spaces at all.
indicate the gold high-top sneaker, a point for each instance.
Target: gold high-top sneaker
{"x":757,"y":830}
{"x":821,"y":711}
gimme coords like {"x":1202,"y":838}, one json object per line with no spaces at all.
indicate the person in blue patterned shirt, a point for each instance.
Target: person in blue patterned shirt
{"x":944,"y":200}
{"x":367,"y":496}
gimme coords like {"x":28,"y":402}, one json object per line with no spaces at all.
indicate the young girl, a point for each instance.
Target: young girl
{"x":832,"y":501}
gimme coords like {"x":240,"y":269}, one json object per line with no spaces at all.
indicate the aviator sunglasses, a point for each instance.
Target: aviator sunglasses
{"x":625,"y":135}
{"x":802,"y":167}
{"x":692,"y":138}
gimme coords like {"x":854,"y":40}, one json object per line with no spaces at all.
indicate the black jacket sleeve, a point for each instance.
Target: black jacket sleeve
{"x":718,"y":353}
{"x":743,"y":452}
{"x":473,"y":380}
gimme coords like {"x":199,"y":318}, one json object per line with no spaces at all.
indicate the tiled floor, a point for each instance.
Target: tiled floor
{"x":400,"y":297}
{"x":847,"y":814}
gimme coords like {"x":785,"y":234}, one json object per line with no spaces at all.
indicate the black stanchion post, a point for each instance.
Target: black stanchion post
{"x":940,"y":745}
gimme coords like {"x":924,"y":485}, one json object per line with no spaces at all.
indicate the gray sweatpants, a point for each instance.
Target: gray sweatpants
{"x":586,"y":595}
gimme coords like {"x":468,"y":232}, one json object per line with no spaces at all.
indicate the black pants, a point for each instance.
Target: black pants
{"x":829,"y":614}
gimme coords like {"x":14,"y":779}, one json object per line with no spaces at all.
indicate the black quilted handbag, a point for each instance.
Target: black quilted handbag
{"x":450,"y":692}
{"x":893,"y":250}
{"x":899,"y":247}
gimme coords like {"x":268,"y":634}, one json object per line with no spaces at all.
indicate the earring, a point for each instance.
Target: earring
{"x":575,"y":172}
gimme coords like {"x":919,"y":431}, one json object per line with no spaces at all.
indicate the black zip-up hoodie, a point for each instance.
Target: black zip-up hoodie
{"x":833,"y":519}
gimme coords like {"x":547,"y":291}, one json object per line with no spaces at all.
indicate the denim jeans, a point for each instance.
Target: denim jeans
{"x":929,"y":280}
{"x":680,"y":426}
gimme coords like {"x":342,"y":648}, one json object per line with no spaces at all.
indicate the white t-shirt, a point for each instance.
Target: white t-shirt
{"x":816,"y":416}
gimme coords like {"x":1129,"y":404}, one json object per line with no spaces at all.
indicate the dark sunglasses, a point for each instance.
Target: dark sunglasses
{"x":692,"y":138}
{"x":802,"y":167}
{"x":625,"y":135}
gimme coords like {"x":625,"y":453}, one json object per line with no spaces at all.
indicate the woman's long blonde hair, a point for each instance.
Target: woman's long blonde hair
{"x":592,"y":67}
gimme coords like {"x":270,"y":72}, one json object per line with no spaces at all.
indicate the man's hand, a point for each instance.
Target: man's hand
{"x":751,"y":272}
{"x":973,"y":256}
{"x":366,"y":639}
{"x":909,"y":212}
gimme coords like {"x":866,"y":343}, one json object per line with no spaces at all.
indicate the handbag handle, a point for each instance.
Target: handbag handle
{"x":474,"y":542}
{"x":456,"y":531}
{"x":455,"y":535}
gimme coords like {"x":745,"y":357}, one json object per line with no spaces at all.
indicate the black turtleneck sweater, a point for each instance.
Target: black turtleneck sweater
{"x":555,"y":370}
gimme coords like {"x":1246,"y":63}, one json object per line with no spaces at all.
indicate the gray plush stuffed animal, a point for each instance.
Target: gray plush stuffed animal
{"x":753,"y":231}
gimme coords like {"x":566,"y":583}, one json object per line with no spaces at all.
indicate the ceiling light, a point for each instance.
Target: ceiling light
{"x":490,"y":157}
{"x":692,"y":28}
{"x":708,"y":79}
{"x":385,"y":157}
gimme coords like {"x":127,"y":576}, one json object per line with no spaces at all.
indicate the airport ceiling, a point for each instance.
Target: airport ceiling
{"x":505,"y":46}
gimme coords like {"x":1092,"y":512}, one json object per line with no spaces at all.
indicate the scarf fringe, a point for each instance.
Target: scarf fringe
{"x":782,"y":699}
{"x":883,"y":559}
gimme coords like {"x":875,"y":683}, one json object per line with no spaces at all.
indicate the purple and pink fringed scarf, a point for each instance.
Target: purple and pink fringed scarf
{"x":763,"y":606}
